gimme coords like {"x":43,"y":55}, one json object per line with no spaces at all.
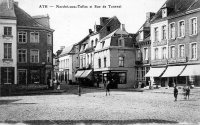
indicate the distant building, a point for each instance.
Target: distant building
{"x":66,"y":65}
{"x":114,"y":59}
{"x":143,"y":51}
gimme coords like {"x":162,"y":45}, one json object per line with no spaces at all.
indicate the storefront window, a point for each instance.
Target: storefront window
{"x":122,"y":78}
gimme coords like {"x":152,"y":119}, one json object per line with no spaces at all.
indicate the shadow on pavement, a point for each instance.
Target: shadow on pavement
{"x":92,"y":122}
{"x":5,"y":102}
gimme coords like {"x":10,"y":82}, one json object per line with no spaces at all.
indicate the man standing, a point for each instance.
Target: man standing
{"x":108,"y":87}
{"x":175,"y":93}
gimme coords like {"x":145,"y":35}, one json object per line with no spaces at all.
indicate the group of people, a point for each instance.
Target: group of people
{"x":53,"y":84}
{"x":186,"y":92}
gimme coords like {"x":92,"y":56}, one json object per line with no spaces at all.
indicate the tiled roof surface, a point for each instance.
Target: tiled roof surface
{"x":180,"y":5}
{"x":67,"y":50}
{"x":24,"y":19}
{"x":6,"y":12}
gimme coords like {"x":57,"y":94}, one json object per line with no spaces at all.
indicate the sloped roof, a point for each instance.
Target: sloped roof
{"x":117,"y":31}
{"x":67,"y":50}
{"x":24,"y":19}
{"x":6,"y":10}
{"x":180,"y":6}
{"x":112,"y":18}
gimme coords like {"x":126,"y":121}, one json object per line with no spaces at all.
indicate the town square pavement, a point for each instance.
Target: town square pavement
{"x":95,"y":108}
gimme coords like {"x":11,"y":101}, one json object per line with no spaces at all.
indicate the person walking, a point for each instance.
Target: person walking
{"x":187,"y":93}
{"x":108,"y":87}
{"x":175,"y":93}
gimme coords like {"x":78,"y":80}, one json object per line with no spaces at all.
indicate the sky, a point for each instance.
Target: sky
{"x":71,"y":25}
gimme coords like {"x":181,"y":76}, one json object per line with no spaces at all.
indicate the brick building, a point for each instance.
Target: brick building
{"x":175,"y":43}
{"x":34,"y":48}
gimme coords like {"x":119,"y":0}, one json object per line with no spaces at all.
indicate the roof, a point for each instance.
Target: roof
{"x":25,"y":20}
{"x":178,"y":7}
{"x":112,"y":18}
{"x":117,"y":31}
{"x":6,"y":10}
{"x":67,"y":50}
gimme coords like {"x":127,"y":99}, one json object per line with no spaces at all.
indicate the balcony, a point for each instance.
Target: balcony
{"x":161,"y":43}
{"x":182,"y":60}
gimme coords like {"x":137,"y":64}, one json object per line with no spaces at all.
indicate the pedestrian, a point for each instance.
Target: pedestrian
{"x":79,"y":90}
{"x":51,"y":84}
{"x":58,"y":84}
{"x":108,"y":87}
{"x":187,"y":94}
{"x":54,"y":83}
{"x":175,"y":93}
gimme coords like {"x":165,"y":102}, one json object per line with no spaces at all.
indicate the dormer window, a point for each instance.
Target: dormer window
{"x":121,"y":41}
{"x":141,"y":36}
{"x":164,"y":11}
{"x":103,"y":42}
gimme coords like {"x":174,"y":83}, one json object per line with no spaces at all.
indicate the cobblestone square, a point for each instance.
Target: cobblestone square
{"x":121,"y":107}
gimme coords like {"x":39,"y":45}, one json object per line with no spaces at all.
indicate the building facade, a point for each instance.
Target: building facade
{"x":143,"y":51}
{"x":175,"y":42}
{"x":8,"y":43}
{"x":113,"y":59}
{"x":34,"y":48}
{"x":66,"y":65}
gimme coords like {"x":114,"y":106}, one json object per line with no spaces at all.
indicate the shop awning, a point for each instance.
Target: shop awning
{"x":79,"y":73}
{"x":155,"y":72}
{"x":86,"y":73}
{"x":173,"y":71}
{"x":191,"y":70}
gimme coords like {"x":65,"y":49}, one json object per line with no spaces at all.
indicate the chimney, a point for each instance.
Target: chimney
{"x":123,"y":27}
{"x":90,"y":31}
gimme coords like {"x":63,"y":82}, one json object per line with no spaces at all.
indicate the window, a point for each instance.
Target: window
{"x":7,"y":31}
{"x":22,"y":73}
{"x":121,"y":61}
{"x":137,"y":74}
{"x":172,"y":31}
{"x":143,"y":73}
{"x":145,"y":56}
{"x":108,"y":28}
{"x":7,"y":50}
{"x":22,"y":37}
{"x":164,"y":32}
{"x":122,"y":78}
{"x":49,"y":38}
{"x":99,"y":62}
{"x":103,"y":42}
{"x":22,"y":55}
{"x":193,"y":51}
{"x":164,"y":53}
{"x":139,"y":54}
{"x":141,"y":36}
{"x":92,"y":43}
{"x":172,"y":52}
{"x":181,"y":28}
{"x":121,"y":41}
{"x":104,"y":61}
{"x":34,"y":56}
{"x":96,"y":40}
{"x":181,"y":51}
{"x":34,"y":37}
{"x":193,"y":26}
{"x":49,"y":56}
{"x":156,"y":53}
{"x":156,"y":34}
{"x":7,"y":75}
